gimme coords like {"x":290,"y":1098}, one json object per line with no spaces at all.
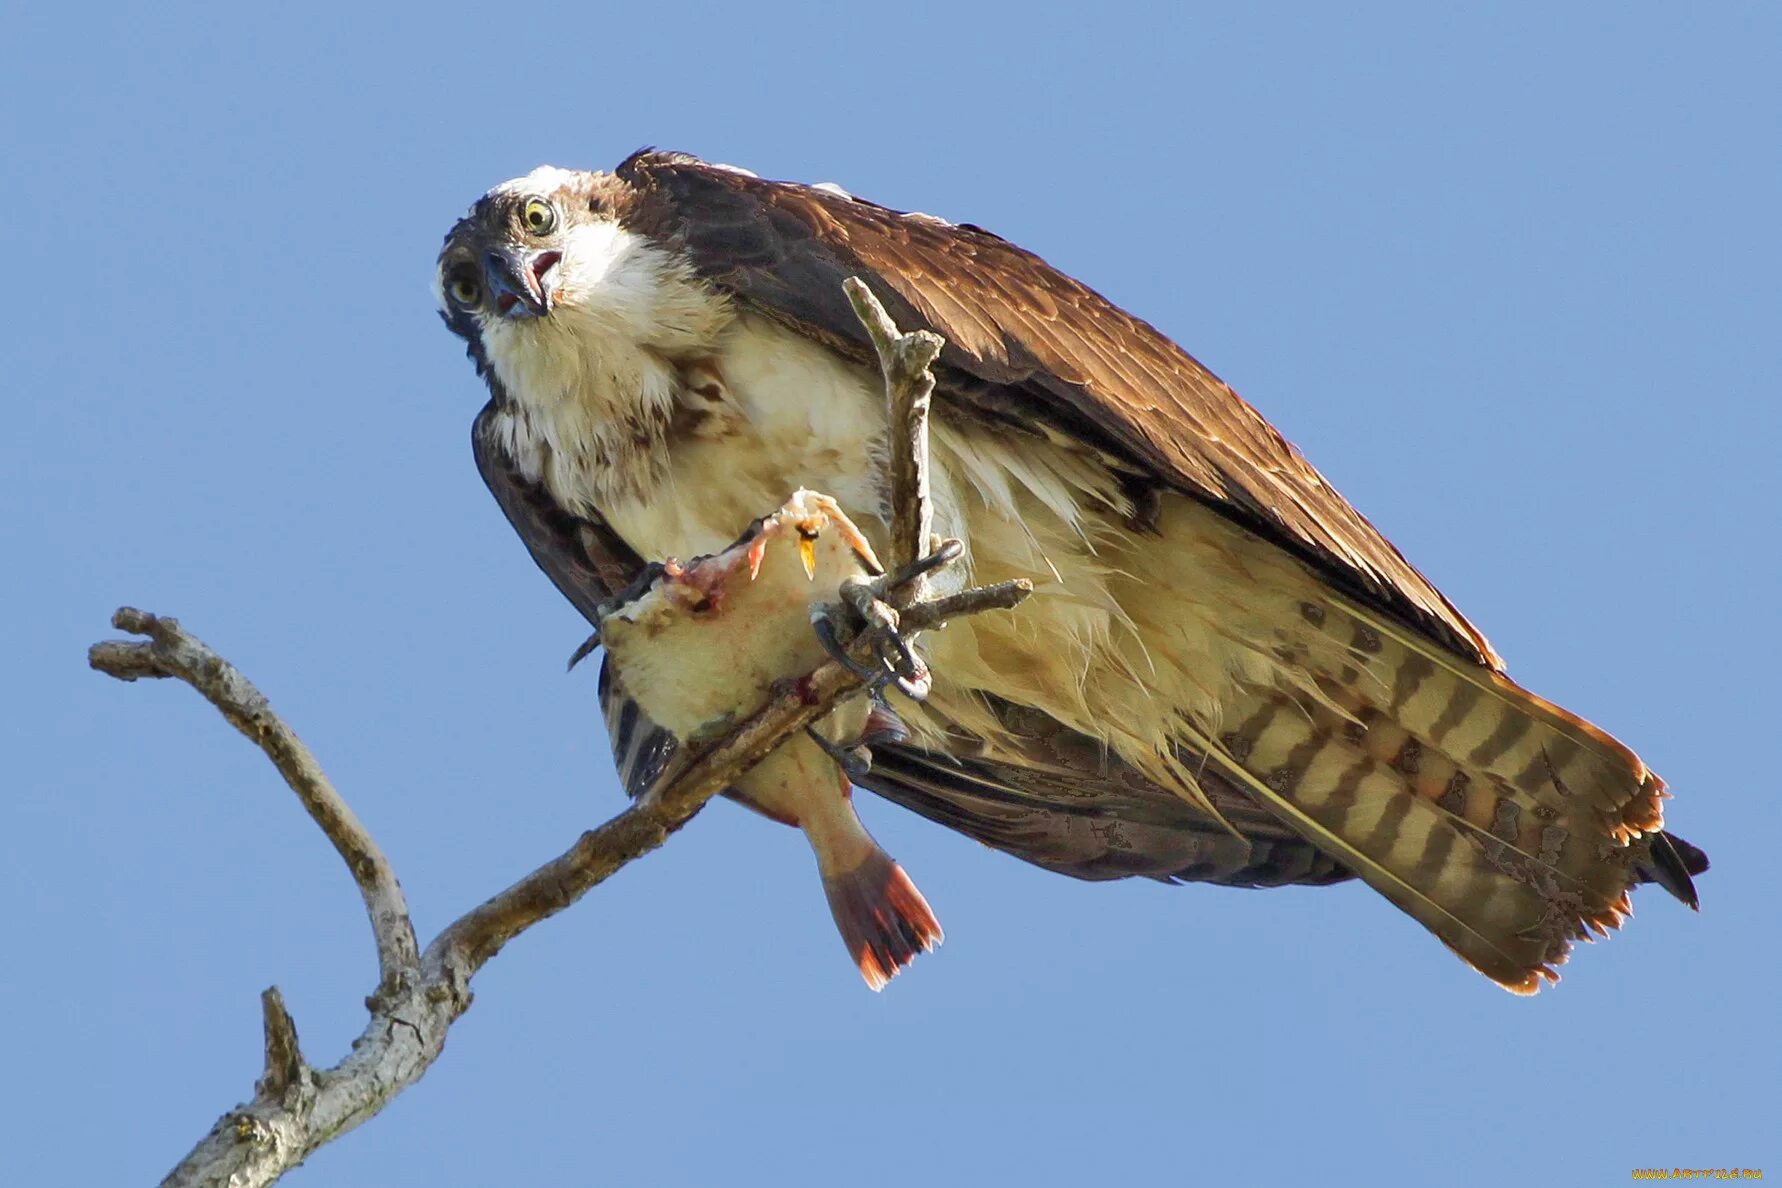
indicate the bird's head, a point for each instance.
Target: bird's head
{"x":525,"y":248}
{"x":546,"y":263}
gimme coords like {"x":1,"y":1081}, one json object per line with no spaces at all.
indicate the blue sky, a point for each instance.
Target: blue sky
{"x":1508,"y":277}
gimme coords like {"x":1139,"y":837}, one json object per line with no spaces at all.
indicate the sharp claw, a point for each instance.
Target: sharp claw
{"x":882,"y":724}
{"x":855,"y":761}
{"x":917,"y":688}
{"x":858,"y":764}
{"x":879,"y":618}
{"x":949,"y":551}
{"x":635,"y":589}
{"x":838,"y":651}
{"x":586,"y":650}
{"x":897,"y":655}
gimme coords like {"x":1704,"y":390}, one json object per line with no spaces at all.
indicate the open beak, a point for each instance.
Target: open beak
{"x":522,"y":281}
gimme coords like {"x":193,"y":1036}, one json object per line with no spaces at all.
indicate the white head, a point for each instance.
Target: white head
{"x":544,"y":270}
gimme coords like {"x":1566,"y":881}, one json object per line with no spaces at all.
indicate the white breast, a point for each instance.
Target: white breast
{"x":791,"y":415}
{"x":594,"y":386}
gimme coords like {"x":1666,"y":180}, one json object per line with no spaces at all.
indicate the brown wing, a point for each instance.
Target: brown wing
{"x":1066,"y":803}
{"x":1025,"y":342}
{"x":588,"y":564}
{"x":584,"y":558}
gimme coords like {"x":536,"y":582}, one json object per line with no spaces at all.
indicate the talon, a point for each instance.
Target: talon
{"x":586,"y":650}
{"x":863,"y":599}
{"x":949,"y":551}
{"x":916,"y":688}
{"x":858,"y":593}
{"x":883,"y":726}
{"x":636,"y":588}
{"x":855,"y":761}
{"x":880,"y":620}
{"x":897,"y":655}
{"x":838,"y":651}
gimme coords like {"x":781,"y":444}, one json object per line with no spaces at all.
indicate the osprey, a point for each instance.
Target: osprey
{"x":1226,"y":674}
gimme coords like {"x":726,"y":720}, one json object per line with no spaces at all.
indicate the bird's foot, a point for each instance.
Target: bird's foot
{"x":855,"y":760}
{"x":882,"y":723}
{"x":882,"y":726}
{"x":873,"y":603}
{"x":637,"y":588}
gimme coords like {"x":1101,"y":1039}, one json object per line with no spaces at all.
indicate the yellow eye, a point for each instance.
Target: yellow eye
{"x":538,"y":216}
{"x":464,"y":290}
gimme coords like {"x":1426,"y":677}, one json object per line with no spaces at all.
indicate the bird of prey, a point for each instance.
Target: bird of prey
{"x":1226,"y":673}
{"x":705,"y":643}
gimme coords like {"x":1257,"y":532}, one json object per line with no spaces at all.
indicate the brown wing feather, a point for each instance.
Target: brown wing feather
{"x":584,"y":558}
{"x":1026,"y":341}
{"x":588,"y":564}
{"x":1063,"y":802}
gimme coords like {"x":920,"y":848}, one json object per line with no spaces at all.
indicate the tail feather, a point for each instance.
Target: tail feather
{"x":1671,"y":862}
{"x":883,"y":919}
{"x":1427,"y":862}
{"x":1505,"y":825}
{"x":1490,"y":726}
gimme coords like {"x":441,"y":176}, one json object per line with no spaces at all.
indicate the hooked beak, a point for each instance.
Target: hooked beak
{"x":522,"y":281}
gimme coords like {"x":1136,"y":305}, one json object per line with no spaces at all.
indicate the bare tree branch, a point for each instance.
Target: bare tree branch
{"x":905,"y":360}
{"x":170,"y":652}
{"x":297,"y":1108}
{"x":284,"y":1058}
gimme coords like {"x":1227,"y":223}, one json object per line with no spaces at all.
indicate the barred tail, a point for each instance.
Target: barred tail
{"x":1505,"y":825}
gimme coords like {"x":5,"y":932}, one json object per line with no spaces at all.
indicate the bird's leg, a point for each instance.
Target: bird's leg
{"x":635,"y":589}
{"x":873,"y":602}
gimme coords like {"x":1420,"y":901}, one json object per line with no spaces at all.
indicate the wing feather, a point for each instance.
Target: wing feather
{"x":1026,"y":342}
{"x":588,"y":564}
{"x":584,"y":558}
{"x":1102,"y":824}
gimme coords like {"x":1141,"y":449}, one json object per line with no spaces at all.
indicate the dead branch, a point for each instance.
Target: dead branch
{"x":297,"y":1108}
{"x":170,"y":652}
{"x":905,"y":360}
